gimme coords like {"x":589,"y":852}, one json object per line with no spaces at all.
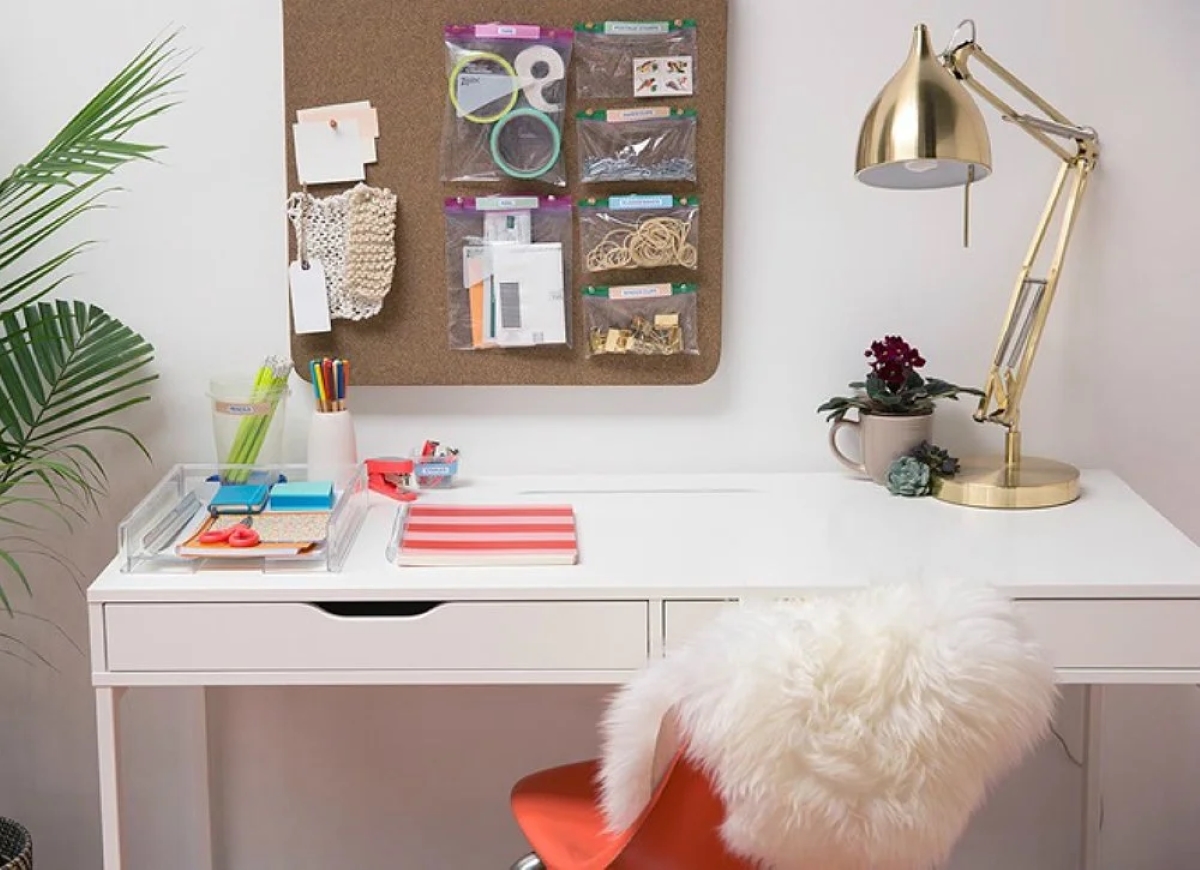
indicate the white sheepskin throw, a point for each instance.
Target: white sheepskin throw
{"x":857,"y":732}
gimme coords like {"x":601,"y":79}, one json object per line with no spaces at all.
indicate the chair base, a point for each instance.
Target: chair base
{"x":529,"y":862}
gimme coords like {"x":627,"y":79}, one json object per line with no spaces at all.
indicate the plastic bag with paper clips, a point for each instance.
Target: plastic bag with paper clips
{"x":652,"y":144}
{"x":506,"y":101}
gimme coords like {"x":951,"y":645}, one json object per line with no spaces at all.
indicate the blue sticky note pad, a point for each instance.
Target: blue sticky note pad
{"x":239,"y":498}
{"x":309,"y":495}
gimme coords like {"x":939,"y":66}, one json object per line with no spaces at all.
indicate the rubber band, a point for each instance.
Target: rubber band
{"x":555,"y":141}
{"x":462,"y":65}
{"x":653,"y":243}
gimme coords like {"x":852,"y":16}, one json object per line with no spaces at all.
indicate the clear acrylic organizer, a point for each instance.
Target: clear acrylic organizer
{"x":178,"y":504}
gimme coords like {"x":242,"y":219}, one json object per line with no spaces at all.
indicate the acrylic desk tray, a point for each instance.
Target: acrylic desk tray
{"x":178,"y":505}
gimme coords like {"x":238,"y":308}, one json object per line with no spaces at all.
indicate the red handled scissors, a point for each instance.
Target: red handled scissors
{"x":237,"y":535}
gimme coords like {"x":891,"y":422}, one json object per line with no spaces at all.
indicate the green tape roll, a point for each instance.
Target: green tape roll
{"x":555,"y":142}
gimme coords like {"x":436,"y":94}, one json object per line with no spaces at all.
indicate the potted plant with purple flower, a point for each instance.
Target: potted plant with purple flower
{"x":895,"y":405}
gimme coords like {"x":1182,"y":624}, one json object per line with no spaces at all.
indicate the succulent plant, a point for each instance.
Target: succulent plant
{"x":909,"y":477}
{"x":939,"y":461}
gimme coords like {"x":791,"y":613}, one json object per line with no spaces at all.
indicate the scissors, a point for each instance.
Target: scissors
{"x":237,"y":535}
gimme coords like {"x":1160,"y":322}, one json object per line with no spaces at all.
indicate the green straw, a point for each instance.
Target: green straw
{"x":269,"y":385}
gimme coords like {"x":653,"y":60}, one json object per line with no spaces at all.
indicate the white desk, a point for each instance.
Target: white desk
{"x":1109,"y":586}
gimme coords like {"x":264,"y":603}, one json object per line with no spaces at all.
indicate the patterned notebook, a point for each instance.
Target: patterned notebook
{"x":464,"y":535}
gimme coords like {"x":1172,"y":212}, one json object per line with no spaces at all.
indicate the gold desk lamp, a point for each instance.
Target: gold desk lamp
{"x":924,"y":131}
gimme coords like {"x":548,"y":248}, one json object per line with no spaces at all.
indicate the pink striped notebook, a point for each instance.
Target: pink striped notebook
{"x":488,"y":535}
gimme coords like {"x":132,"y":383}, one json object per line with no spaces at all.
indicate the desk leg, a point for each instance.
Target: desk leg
{"x":196,"y":750}
{"x":108,"y":700}
{"x":1093,"y":799}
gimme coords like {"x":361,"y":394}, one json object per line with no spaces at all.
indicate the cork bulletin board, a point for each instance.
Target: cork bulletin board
{"x":391,"y":52}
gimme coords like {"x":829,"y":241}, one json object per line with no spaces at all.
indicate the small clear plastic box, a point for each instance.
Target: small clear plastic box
{"x":178,"y":504}
{"x":435,"y":472}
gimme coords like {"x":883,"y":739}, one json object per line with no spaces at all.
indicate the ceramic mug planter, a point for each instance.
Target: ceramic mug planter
{"x":882,"y":438}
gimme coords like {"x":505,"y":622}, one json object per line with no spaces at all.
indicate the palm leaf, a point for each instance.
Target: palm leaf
{"x":43,"y":349}
{"x":59,"y":183}
{"x":66,"y":368}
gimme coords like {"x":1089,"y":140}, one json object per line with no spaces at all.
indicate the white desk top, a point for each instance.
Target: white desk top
{"x":714,"y":536}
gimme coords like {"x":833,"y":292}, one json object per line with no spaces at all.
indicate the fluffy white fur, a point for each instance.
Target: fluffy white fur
{"x":843,"y":733}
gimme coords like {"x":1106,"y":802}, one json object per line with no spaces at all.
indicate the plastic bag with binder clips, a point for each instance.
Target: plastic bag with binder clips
{"x":641,"y":320}
{"x":508,"y":260}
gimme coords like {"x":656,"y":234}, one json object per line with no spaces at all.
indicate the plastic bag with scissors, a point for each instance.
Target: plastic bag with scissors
{"x":506,"y":101}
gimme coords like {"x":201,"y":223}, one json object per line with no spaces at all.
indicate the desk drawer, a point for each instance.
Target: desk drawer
{"x":483,"y":635}
{"x":1103,"y":634}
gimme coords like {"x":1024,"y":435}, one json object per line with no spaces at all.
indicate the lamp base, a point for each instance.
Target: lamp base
{"x":990,"y":482}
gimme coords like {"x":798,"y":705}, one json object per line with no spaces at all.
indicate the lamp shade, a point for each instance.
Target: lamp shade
{"x":923,"y":130}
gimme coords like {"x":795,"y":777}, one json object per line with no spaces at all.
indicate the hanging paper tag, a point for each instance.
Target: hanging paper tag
{"x":310,"y":300}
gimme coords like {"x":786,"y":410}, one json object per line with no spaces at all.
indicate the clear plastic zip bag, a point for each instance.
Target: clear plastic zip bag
{"x":652,"y":144}
{"x":641,"y":320}
{"x":627,"y":59}
{"x":506,"y":103}
{"x":639,"y":232}
{"x":508,"y":259}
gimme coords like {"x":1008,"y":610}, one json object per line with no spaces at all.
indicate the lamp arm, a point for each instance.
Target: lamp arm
{"x":1029,"y":307}
{"x":957,"y":60}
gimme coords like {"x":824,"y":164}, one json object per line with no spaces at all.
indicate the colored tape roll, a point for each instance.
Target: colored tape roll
{"x":545,"y":121}
{"x":501,"y":62}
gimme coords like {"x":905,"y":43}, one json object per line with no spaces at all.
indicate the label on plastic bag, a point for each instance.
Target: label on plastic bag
{"x":639,"y":201}
{"x":639,"y":291}
{"x":505,"y":203}
{"x":508,"y":31}
{"x":626,"y":28}
{"x":619,"y":116}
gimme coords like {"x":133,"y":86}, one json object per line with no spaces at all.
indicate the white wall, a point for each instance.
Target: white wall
{"x":817,"y":266}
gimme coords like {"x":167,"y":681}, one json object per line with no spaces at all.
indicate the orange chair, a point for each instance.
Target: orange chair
{"x":559,"y":812}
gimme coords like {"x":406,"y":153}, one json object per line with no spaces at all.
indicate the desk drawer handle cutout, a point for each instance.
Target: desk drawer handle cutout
{"x":377,"y":609}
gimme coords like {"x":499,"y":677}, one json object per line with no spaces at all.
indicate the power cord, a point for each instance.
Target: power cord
{"x":1067,"y":749}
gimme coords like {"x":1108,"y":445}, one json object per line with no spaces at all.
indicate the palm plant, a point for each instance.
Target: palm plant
{"x":66,"y":367}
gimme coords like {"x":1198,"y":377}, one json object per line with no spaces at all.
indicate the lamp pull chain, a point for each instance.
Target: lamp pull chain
{"x":967,"y":206}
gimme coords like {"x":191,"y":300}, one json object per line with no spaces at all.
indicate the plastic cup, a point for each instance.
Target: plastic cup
{"x":247,"y":424}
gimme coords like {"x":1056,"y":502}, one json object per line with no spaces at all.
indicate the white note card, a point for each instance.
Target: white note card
{"x":325,"y":155}
{"x":363,"y":113}
{"x":310,"y":301}
{"x":527,"y":283}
